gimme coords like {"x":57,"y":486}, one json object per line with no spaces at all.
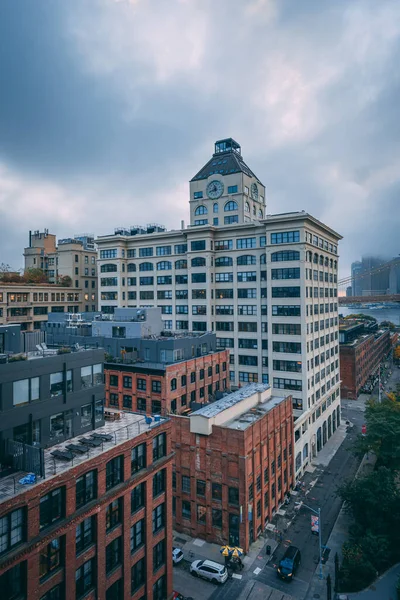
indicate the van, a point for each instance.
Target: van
{"x":289,"y":563}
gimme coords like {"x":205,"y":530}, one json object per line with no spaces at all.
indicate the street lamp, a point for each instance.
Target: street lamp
{"x":317,"y":512}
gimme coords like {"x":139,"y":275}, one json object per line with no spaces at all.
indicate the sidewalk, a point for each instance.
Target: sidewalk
{"x":383,"y":589}
{"x":335,"y":542}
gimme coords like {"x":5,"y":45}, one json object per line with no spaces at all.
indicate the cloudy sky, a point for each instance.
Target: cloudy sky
{"x":109,"y":107}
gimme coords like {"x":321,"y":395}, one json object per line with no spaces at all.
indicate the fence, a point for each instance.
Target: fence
{"x":23,"y":457}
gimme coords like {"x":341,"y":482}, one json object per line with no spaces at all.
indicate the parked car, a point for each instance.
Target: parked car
{"x":210,"y":570}
{"x":289,"y":563}
{"x":178,"y":596}
{"x":177,"y":555}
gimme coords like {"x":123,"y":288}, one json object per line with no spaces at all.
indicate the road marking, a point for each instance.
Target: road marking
{"x":236,"y":576}
{"x":257,"y":571}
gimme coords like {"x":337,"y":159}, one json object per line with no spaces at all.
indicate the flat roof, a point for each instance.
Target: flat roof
{"x":254,"y":414}
{"x":128,"y":426}
{"x":213,"y":409}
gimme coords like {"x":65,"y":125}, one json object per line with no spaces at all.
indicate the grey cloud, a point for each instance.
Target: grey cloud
{"x":316,"y":115}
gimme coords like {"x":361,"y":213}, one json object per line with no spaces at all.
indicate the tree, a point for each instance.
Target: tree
{"x":388,"y":324}
{"x":64,"y":280}
{"x":360,"y":316}
{"x":34,"y":276}
{"x":356,"y":571}
{"x":383,"y":433}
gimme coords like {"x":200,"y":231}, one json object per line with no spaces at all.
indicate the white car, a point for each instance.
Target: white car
{"x":208,"y":569}
{"x":177,"y":555}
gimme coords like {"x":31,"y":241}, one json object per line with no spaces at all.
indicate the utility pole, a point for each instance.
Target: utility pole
{"x":317,"y":512}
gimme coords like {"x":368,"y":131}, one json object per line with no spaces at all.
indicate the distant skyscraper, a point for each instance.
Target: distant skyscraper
{"x":356,"y":268}
{"x":349,"y":291}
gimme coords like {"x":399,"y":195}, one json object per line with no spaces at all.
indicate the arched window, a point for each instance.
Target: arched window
{"x":254,"y":211}
{"x":263,"y":259}
{"x":199,"y":261}
{"x":201,"y":210}
{"x":181,"y":264}
{"x":146,"y":266}
{"x":108,"y":268}
{"x":223,"y":261}
{"x":246,"y":259}
{"x":321,"y":260}
{"x":335,"y":265}
{"x":331,"y":263}
{"x":309,"y":256}
{"x":215,"y":207}
{"x":231,"y":205}
{"x":164,"y":265}
{"x":326,"y":261}
{"x":173,"y":384}
{"x":315,"y":259}
{"x":131,"y":267}
{"x":260,"y":214}
{"x":247,"y":206}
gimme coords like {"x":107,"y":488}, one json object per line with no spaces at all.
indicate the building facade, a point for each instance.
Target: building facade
{"x":72,"y":257}
{"x":98,"y":527}
{"x":265,"y":284}
{"x":360,"y":356}
{"x":233,"y":466}
{"x":167,"y":388}
{"x":29,"y":305}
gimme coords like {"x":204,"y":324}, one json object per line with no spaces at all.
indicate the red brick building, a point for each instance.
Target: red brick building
{"x":233,"y":465}
{"x":164,"y":388}
{"x":360,"y":358}
{"x":99,"y":526}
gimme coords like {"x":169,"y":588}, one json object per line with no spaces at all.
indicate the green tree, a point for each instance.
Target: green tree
{"x":388,"y":324}
{"x":356,"y":571}
{"x":34,"y":276}
{"x":383,"y":433}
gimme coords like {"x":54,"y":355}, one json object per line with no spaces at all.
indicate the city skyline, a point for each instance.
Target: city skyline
{"x":106,"y":128}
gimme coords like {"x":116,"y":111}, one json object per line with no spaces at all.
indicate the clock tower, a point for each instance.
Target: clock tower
{"x":226,"y":191}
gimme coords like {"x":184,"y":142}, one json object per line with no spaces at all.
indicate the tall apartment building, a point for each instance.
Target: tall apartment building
{"x":96,"y":521}
{"x":266,"y":284}
{"x":73,"y":257}
{"x":30,"y":304}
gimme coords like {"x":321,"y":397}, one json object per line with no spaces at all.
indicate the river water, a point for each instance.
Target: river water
{"x":385,"y":314}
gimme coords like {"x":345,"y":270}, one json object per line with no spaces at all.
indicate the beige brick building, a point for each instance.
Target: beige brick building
{"x":29,"y":305}
{"x":72,"y":257}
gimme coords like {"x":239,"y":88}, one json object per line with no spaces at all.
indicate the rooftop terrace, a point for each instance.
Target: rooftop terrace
{"x":125,"y":426}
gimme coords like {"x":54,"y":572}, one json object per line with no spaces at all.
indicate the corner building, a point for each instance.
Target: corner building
{"x":266,"y":284}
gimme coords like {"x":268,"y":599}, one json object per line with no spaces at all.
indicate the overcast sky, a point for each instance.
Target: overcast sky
{"x":109,"y":107}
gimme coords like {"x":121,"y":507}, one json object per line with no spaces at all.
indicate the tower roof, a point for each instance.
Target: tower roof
{"x":227,"y":159}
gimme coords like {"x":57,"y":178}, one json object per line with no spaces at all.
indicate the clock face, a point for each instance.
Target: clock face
{"x":215,"y":189}
{"x":254,"y":191}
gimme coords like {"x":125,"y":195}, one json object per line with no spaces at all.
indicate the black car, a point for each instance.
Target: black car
{"x":289,"y":563}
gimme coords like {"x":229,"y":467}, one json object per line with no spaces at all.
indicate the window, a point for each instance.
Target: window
{"x":230,"y":206}
{"x":224,"y":309}
{"x":91,"y":375}
{"x":12,"y":529}
{"x":156,"y":386}
{"x":141,"y":384}
{"x":233,"y":496}
{"x":223,"y":245}
{"x":138,"y":458}
{"x":292,"y":273}
{"x":163,"y":250}
{"x":286,"y":310}
{"x":158,"y":517}
{"x":246,"y":259}
{"x":200,"y":487}
{"x":247,"y":293}
{"x":286,"y":329}
{"x":137,"y":535}
{"x":216,"y":491}
{"x":85,"y":534}
{"x":229,"y":220}
{"x":108,"y":253}
{"x":198,"y":261}
{"x":248,"y":377}
{"x":159,"y":589}
{"x":159,"y":483}
{"x":287,"y":347}
{"x":180,"y":249}
{"x":199,"y":309}
{"x":181,"y":280}
{"x":243,"y":276}
{"x":232,"y":189}
{"x":196,"y":196}
{"x":108,"y":281}
{"x":159,"y":446}
{"x":86,"y":488}
{"x":243,"y":243}
{"x":286,"y":292}
{"x":52,"y":507}
{"x":221,"y":294}
{"x":285,"y":255}
{"x":85,"y":578}
{"x":287,"y":365}
{"x":55,"y":593}
{"x":25,"y":391}
{"x":137,"y":497}
{"x":159,"y":555}
{"x":113,"y":554}
{"x":224,"y":326}
{"x":186,"y":509}
{"x":86,"y":415}
{"x":201,"y":210}
{"x":250,"y":344}
{"x":182,"y":309}
{"x":198,"y":245}
{"x":199,"y":277}
{"x":288,"y":384}
{"x":145,"y":251}
{"x":217,"y":518}
{"x":13,"y":582}
{"x":147,"y":281}
{"x":247,"y":309}
{"x":185,"y":484}
{"x":223,"y":277}
{"x":249,"y":361}
{"x":113,"y":514}
{"x":114,"y":472}
{"x":215,"y":207}
{"x":164,"y":265}
{"x":247,"y":326}
{"x":57,"y":381}
{"x":50,"y":558}
{"x":223,"y":261}
{"x":138,"y":575}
